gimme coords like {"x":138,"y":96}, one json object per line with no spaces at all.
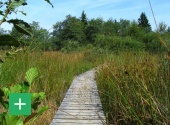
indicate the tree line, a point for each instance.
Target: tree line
{"x":113,"y":35}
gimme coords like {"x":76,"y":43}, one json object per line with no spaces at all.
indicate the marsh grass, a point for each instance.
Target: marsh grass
{"x":133,"y":86}
{"x":134,"y":89}
{"x":56,"y":72}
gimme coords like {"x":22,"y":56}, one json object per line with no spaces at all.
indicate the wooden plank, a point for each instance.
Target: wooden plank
{"x":74,"y":124}
{"x":81,"y":112}
{"x":73,"y":121}
{"x":81,"y":104}
{"x":82,"y":117}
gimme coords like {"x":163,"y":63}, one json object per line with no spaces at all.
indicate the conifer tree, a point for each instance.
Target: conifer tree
{"x":84,"y":18}
{"x":144,"y":23}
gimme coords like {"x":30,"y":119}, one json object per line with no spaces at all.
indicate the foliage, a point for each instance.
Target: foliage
{"x":127,"y":73}
{"x":94,"y":27}
{"x":112,"y":35}
{"x":162,"y":28}
{"x":9,"y":40}
{"x":168,"y":29}
{"x":40,"y":38}
{"x":144,"y":23}
{"x":86,"y":31}
{"x":8,"y":7}
{"x":151,"y":42}
{"x":83,"y":18}
{"x":11,"y":6}
{"x":118,"y":43}
{"x":123,"y":27}
{"x":135,"y":31}
{"x":69,"y":29}
{"x":110,"y":27}
{"x":3,"y":32}
{"x":56,"y":69}
{"x":70,"y":46}
{"x":23,"y":87}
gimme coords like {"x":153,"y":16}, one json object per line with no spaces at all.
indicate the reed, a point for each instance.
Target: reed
{"x":134,"y":89}
{"x":56,"y":70}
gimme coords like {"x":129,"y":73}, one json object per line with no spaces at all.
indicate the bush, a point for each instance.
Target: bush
{"x":152,"y":42}
{"x":103,"y":41}
{"x":133,"y":44}
{"x":118,"y":43}
{"x":70,"y":45}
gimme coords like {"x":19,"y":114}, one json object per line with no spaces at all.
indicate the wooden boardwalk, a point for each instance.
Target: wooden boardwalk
{"x":81,"y":105}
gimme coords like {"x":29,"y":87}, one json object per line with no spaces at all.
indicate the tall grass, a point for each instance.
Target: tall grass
{"x":133,"y":86}
{"x":134,"y":89}
{"x":56,"y":70}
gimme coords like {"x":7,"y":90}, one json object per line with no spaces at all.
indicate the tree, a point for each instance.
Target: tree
{"x":69,"y":29}
{"x":144,"y":23}
{"x":3,"y":32}
{"x":43,"y":34}
{"x":12,"y":6}
{"x":123,"y":27}
{"x":168,"y":29}
{"x":83,"y":18}
{"x":94,"y":27}
{"x":110,"y":27}
{"x":135,"y":31}
{"x":162,"y":27}
{"x":39,"y":39}
{"x":84,"y":21}
{"x":38,"y":34}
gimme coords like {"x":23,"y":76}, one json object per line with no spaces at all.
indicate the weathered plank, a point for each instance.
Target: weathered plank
{"x":81,"y":105}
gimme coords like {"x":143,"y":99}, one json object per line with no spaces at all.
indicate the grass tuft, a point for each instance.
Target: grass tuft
{"x":56,"y":70}
{"x":134,"y":89}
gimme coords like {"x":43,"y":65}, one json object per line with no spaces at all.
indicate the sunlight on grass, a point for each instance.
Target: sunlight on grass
{"x":134,"y":89}
{"x":133,"y":86}
{"x":56,"y":70}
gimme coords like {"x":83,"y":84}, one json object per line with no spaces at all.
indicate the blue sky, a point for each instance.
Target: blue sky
{"x":40,"y":11}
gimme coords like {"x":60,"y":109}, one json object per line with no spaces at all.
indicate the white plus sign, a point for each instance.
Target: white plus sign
{"x":19,"y":103}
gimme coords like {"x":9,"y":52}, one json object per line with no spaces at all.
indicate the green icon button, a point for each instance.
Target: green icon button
{"x":20,"y":103}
